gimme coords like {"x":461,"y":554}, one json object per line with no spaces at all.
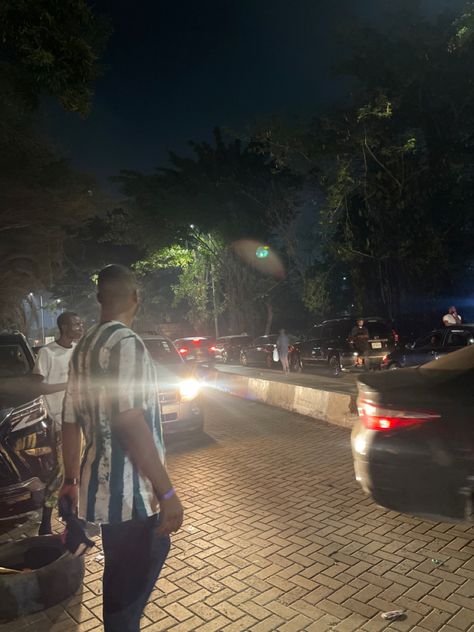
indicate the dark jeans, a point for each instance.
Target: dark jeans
{"x":133,"y":558}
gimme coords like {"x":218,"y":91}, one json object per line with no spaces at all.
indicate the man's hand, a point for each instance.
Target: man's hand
{"x":171,"y":516}
{"x":73,"y":492}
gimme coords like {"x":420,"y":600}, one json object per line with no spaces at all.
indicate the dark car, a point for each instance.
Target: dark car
{"x":198,"y":349}
{"x":228,"y":348}
{"x":430,"y":347}
{"x":329,"y":345}
{"x":413,"y":445}
{"x":260,"y":351}
{"x":179,"y":391}
{"x":27,"y":458}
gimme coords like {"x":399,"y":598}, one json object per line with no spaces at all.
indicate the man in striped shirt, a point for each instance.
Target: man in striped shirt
{"x":121,"y":482}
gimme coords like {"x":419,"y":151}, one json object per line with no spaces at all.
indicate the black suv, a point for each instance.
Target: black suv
{"x":329,"y":344}
{"x":27,"y":458}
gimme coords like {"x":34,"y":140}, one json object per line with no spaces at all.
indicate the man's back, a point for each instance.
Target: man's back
{"x":111,"y":372}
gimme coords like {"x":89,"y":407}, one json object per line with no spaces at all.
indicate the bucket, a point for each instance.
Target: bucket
{"x":43,"y":573}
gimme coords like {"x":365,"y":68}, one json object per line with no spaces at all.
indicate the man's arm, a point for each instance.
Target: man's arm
{"x":137,"y":440}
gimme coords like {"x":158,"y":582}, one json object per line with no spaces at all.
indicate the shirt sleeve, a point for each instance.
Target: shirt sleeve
{"x":128,"y":369}
{"x":43,"y":363}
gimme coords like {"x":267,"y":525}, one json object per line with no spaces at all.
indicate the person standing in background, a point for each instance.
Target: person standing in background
{"x":452,"y":317}
{"x":51,"y":367}
{"x":282,"y":345}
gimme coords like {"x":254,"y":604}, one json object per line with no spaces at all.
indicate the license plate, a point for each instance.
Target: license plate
{"x":376,"y":345}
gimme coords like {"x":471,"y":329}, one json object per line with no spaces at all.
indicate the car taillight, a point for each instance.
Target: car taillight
{"x":395,"y":336}
{"x":385,"y":360}
{"x":212,"y":349}
{"x":379,"y":418}
{"x":183,"y":351}
{"x":196,"y":341}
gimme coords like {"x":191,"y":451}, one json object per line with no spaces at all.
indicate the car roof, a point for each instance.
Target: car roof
{"x":195,"y":338}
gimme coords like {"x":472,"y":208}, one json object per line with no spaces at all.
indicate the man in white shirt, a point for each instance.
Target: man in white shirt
{"x":452,"y":317}
{"x":52,"y":366}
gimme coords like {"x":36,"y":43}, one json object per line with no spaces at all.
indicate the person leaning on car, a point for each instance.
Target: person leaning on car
{"x":359,"y":337}
{"x":51,"y":367}
{"x":112,"y":402}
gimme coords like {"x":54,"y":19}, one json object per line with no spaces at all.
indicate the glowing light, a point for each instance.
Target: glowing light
{"x":262,"y":252}
{"x":189,"y":389}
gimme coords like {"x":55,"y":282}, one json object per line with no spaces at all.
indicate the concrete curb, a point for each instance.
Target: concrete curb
{"x":335,"y":408}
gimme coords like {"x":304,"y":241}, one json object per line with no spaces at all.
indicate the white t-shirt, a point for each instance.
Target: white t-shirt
{"x":449,"y":319}
{"x":53,"y":364}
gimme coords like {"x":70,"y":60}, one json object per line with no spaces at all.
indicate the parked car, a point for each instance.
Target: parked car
{"x":328,"y":345}
{"x":198,"y":349}
{"x":179,"y":391}
{"x":413,"y":445}
{"x":430,"y":347}
{"x":260,"y":351}
{"x":228,"y":348}
{"x":27,"y":458}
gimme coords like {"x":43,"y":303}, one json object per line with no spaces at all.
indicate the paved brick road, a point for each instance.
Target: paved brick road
{"x":279,"y":537}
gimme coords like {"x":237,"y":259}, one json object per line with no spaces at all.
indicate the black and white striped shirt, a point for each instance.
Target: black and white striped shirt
{"x":111,"y":372}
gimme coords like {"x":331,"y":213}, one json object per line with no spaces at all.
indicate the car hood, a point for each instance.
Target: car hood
{"x":170,"y":373}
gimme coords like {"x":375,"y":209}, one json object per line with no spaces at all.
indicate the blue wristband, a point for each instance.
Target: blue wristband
{"x":169,"y":494}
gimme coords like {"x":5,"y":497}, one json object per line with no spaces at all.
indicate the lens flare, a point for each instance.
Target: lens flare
{"x":260,"y":256}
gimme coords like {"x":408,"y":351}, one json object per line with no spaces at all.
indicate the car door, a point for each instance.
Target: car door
{"x":311,"y":345}
{"x":456,"y":338}
{"x":425,"y":349}
{"x":254,"y":351}
{"x":326,"y":343}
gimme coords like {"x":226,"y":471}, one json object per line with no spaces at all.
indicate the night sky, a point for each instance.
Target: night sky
{"x":175,"y":69}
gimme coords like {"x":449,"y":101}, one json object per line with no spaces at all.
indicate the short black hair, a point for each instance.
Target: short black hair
{"x":65,"y":318}
{"x":114,"y":284}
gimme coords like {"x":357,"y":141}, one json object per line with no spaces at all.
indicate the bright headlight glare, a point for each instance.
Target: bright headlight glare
{"x":189,"y":389}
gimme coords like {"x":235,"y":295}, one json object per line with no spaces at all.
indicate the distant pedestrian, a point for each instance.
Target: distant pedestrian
{"x":452,"y":317}
{"x":52,"y":366}
{"x":282,"y":345}
{"x":360,"y":339}
{"x":112,"y":401}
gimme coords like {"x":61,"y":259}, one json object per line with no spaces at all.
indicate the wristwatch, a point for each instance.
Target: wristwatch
{"x":71,"y":481}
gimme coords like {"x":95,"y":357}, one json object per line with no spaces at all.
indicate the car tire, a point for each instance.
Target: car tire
{"x":243,"y":359}
{"x":335,"y":366}
{"x":269,"y":361}
{"x":60,"y":576}
{"x":394,"y":366}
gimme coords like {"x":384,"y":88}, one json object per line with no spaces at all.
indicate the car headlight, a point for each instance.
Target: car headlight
{"x":189,"y":389}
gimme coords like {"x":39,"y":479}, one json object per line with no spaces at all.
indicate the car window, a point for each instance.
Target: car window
{"x":431,"y":340}
{"x":327,"y":331}
{"x":316,"y":332}
{"x":378,"y":329}
{"x":163,"y":351}
{"x":13,"y":361}
{"x":460,"y":338}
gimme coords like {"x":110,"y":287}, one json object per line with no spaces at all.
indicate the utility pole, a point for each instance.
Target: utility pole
{"x":216,"y":323}
{"x":42,"y":318}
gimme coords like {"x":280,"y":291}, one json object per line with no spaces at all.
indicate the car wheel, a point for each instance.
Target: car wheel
{"x":243,"y":359}
{"x":335,"y":365}
{"x":269,"y":361}
{"x":394,"y":366}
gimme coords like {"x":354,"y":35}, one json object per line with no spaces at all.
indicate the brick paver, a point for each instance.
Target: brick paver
{"x":278,"y":536}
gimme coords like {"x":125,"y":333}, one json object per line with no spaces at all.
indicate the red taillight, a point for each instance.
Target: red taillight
{"x":196,"y":341}
{"x":379,"y":418}
{"x":183,"y":351}
{"x":385,"y":360}
{"x":213,"y":349}
{"x":395,"y":336}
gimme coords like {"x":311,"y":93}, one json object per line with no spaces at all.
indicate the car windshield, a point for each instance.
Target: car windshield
{"x":163,"y":352}
{"x":378,"y":329}
{"x":13,"y":362}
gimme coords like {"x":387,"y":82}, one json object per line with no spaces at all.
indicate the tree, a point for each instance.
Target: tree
{"x":46,"y":47}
